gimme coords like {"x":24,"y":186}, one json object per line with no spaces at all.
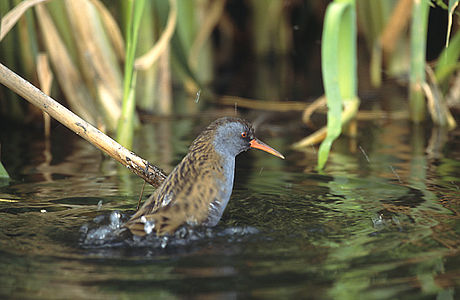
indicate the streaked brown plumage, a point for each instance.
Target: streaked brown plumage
{"x":198,"y":189}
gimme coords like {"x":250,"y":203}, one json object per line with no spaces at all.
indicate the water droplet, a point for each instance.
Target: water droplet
{"x":84,"y":228}
{"x":99,"y":219}
{"x":164,"y":242}
{"x":181,"y":233}
{"x":115,"y":221}
{"x":149,"y":226}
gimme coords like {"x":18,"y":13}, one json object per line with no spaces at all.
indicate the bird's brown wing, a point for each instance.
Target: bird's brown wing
{"x":191,"y":189}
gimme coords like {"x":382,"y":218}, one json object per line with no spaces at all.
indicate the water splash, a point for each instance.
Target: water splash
{"x":107,"y":231}
{"x":382,"y":222}
{"x":102,"y":230}
{"x":115,"y":220}
{"x":148,"y":225}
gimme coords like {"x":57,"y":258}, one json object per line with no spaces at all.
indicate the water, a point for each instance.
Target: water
{"x":382,"y":221}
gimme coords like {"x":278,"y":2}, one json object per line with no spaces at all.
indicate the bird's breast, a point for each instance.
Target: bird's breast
{"x":224,"y":185}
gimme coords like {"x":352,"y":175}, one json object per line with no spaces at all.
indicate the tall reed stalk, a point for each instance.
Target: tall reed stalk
{"x":126,"y":124}
{"x":417,"y":63}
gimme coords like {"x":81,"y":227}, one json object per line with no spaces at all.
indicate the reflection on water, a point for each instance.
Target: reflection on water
{"x":382,"y":222}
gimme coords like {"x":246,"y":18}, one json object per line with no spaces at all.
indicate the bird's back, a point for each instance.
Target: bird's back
{"x":186,"y":197}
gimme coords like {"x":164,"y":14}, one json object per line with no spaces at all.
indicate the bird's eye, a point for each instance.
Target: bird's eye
{"x":244,"y":134}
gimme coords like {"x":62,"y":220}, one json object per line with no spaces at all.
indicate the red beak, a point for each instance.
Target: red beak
{"x":255,"y":143}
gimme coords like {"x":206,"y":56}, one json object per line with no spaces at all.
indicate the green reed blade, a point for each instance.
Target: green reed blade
{"x":339,"y":68}
{"x":447,"y":62}
{"x":126,"y":125}
{"x":452,"y":5}
{"x":418,"y":37}
{"x":448,"y":58}
{"x":146,"y":86}
{"x":3,"y":173}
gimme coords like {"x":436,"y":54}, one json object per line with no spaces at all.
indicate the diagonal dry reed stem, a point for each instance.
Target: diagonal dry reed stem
{"x":150,"y":173}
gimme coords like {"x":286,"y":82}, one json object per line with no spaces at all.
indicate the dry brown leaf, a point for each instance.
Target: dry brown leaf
{"x":395,"y":26}
{"x":113,"y":31}
{"x":313,"y":139}
{"x":437,"y":106}
{"x":148,"y":59}
{"x":45,"y":78}
{"x":164,"y":86}
{"x":68,"y":76}
{"x":317,"y":104}
{"x":99,"y":63}
{"x":350,"y":109}
{"x":213,"y":15}
{"x":12,"y":17}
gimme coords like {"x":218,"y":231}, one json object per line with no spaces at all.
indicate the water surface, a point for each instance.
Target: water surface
{"x":381,"y":222}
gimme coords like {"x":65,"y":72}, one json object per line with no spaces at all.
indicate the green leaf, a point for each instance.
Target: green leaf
{"x":448,"y":58}
{"x":3,"y":173}
{"x":417,"y":64}
{"x":452,"y":5}
{"x":338,"y":67}
{"x":126,"y":125}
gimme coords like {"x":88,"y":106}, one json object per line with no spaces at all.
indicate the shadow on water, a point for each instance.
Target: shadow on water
{"x":381,"y":222}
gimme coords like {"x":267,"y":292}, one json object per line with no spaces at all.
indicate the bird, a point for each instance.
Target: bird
{"x":198,"y":189}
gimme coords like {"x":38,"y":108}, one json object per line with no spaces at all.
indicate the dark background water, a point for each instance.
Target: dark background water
{"x":381,"y":222}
